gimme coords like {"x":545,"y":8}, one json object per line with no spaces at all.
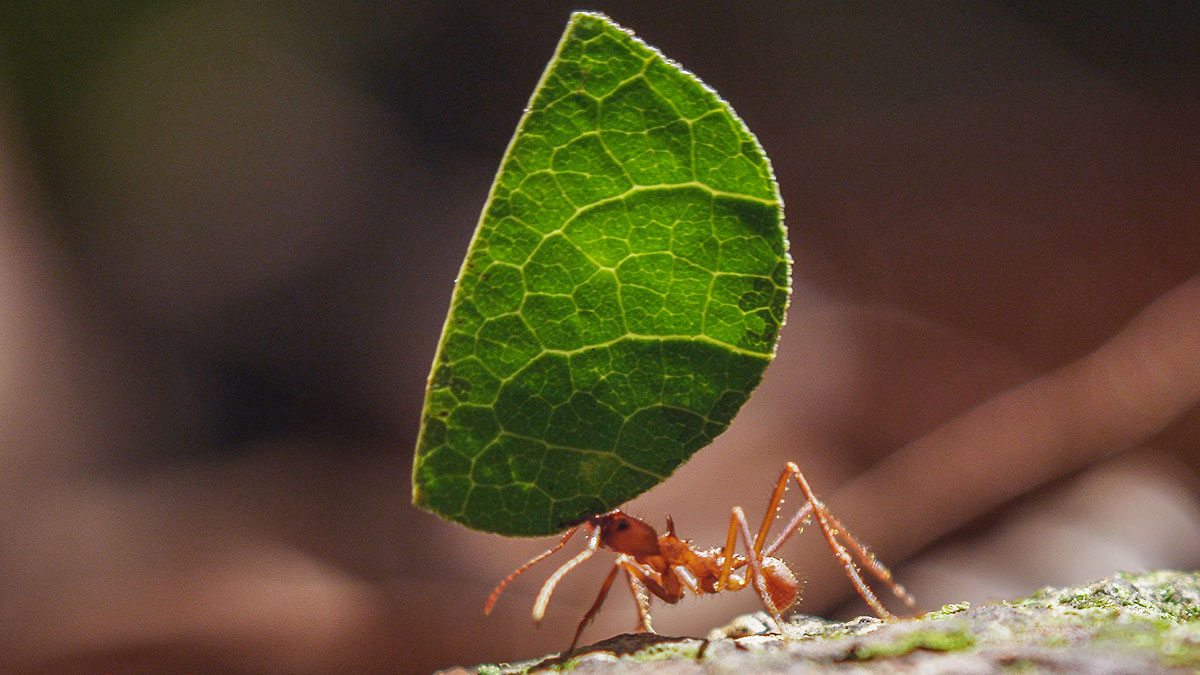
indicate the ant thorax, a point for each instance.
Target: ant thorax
{"x":675,"y":550}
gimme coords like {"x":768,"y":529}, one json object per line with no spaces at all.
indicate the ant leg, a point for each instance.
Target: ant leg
{"x":543,"y":598}
{"x":794,"y":525}
{"x":773,"y":507}
{"x":727,"y":554}
{"x":642,"y":600}
{"x":756,"y":573}
{"x":830,"y":531}
{"x":868,"y":560}
{"x":592,"y":611}
{"x":633,"y":570}
{"x":491,"y":601}
{"x":648,"y":580}
{"x":737,"y":523}
{"x":865,"y":557}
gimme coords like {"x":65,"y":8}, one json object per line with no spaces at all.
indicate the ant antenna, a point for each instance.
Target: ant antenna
{"x":487,"y":608}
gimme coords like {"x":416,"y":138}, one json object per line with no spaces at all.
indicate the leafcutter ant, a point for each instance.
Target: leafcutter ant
{"x":666,"y":565}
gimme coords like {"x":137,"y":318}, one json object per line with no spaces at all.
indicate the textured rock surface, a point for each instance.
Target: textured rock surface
{"x":1147,"y":623}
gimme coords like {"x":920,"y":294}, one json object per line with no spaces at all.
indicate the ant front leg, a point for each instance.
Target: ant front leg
{"x":831,"y":529}
{"x":595,"y":608}
{"x":639,"y":580}
{"x":641,"y":599}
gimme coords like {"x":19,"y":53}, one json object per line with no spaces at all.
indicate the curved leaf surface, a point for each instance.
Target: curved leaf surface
{"x":620,"y":300}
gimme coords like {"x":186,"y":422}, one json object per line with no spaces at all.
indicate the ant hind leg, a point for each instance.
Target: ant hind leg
{"x":869,"y":561}
{"x":831,"y":528}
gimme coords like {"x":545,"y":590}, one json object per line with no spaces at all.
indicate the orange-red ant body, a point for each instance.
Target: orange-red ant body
{"x":666,"y":565}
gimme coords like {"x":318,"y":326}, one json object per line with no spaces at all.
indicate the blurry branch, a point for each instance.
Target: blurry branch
{"x":1113,"y":399}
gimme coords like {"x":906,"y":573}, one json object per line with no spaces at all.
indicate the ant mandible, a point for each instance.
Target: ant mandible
{"x":666,"y":565}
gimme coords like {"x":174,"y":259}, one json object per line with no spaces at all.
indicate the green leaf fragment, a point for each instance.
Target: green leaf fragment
{"x":620,"y":301}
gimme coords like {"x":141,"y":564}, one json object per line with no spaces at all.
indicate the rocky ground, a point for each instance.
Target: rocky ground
{"x":1147,"y":623}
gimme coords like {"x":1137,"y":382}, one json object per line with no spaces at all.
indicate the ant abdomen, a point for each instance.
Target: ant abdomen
{"x":780,"y":583}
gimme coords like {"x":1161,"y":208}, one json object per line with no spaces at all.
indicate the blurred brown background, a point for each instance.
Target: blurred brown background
{"x":229,"y":233}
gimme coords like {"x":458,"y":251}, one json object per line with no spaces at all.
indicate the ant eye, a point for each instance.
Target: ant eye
{"x":622,"y":525}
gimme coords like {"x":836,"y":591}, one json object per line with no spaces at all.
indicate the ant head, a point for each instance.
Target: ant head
{"x":623,"y":533}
